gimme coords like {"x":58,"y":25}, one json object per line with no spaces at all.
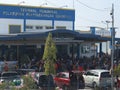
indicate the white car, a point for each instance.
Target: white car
{"x":97,"y":78}
{"x":11,"y":77}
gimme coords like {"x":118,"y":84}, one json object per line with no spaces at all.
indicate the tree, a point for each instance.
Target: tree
{"x":117,"y":71}
{"x":49,"y":55}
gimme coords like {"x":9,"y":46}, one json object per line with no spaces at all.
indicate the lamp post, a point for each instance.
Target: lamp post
{"x":21,"y":2}
{"x":107,"y":23}
{"x":113,"y":44}
{"x":63,"y":6}
{"x":43,"y":4}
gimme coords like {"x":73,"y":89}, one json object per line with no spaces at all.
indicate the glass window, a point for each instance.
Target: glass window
{"x":63,"y":76}
{"x":105,"y":74}
{"x":9,"y":74}
{"x":29,"y":27}
{"x":39,"y":27}
{"x":89,"y":73}
{"x":61,"y":27}
{"x":49,"y":27}
{"x":58,"y":75}
{"x":43,"y":79}
{"x":14,"y":29}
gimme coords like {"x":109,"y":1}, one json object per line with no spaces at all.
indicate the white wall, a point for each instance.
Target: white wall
{"x":4,"y":24}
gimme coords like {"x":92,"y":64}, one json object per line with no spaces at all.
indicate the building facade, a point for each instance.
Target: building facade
{"x":23,"y":32}
{"x":17,"y":19}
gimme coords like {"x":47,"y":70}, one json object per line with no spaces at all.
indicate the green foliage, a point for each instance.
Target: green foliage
{"x":49,"y":55}
{"x":117,"y":70}
{"x":28,"y":83}
{"x":7,"y":86}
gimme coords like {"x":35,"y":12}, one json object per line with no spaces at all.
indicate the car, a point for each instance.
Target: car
{"x":11,"y":77}
{"x":43,"y":81}
{"x":97,"y":78}
{"x":69,"y":80}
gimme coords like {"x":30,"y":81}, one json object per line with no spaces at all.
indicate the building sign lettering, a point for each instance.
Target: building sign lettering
{"x":20,"y":12}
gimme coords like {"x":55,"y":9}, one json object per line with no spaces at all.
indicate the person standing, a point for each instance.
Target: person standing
{"x":6,"y":67}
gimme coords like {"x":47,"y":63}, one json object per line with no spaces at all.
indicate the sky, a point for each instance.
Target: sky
{"x":87,"y":12}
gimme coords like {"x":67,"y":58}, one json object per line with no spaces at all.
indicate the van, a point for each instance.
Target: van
{"x":97,"y":78}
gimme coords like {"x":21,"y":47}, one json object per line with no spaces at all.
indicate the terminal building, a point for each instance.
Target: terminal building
{"x":23,"y":31}
{"x":17,"y":19}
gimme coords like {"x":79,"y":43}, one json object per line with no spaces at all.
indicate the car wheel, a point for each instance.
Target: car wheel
{"x":94,"y":86}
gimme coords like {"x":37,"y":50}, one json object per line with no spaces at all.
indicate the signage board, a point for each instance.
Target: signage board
{"x":25,"y":12}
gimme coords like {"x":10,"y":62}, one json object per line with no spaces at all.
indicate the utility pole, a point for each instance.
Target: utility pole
{"x":113,"y":45}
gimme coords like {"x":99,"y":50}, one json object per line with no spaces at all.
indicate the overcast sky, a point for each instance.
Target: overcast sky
{"x":88,"y":12}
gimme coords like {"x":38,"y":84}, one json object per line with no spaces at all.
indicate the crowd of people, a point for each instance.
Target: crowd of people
{"x":68,"y":63}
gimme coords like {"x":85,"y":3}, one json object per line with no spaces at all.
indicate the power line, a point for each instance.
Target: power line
{"x":90,"y":6}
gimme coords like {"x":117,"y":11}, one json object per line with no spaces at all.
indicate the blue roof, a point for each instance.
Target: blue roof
{"x":55,"y":33}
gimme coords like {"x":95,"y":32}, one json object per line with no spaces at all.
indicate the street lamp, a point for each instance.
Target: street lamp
{"x":63,"y":6}
{"x":107,"y":23}
{"x":21,"y":2}
{"x":43,"y":4}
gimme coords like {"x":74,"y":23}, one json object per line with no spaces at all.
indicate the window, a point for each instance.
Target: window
{"x":61,"y":27}
{"x":14,"y":29}
{"x":89,"y":73}
{"x":39,"y":27}
{"x":58,"y":75}
{"x":48,"y":27}
{"x":105,"y":74}
{"x":9,"y":74}
{"x":29,"y":27}
{"x":63,"y":76}
{"x":43,"y":79}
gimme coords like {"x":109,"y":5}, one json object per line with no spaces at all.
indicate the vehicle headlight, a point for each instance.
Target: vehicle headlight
{"x":1,"y":80}
{"x":17,"y":82}
{"x":21,"y":81}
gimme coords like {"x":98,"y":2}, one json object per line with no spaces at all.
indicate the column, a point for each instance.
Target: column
{"x":100,"y":49}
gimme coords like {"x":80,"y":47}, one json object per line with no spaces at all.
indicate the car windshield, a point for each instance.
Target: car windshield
{"x":9,"y":74}
{"x":46,"y":80}
{"x":43,"y":79}
{"x":105,"y":74}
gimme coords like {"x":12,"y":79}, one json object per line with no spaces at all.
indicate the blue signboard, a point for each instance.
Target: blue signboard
{"x":24,"y":12}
